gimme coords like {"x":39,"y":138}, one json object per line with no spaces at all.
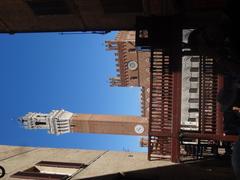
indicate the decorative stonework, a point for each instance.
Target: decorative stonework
{"x":57,"y":121}
{"x":190,"y":93}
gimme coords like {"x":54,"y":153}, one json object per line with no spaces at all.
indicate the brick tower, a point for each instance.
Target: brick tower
{"x":132,"y":66}
{"x":60,"y":122}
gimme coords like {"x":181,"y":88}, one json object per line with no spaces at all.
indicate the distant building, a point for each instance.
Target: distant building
{"x":132,"y":65}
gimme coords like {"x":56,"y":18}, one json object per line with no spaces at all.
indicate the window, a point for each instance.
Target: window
{"x":37,"y":175}
{"x":132,"y":65}
{"x":122,"y":6}
{"x":148,"y":90}
{"x":193,"y":90}
{"x":147,"y":59}
{"x":193,"y":100}
{"x":61,"y":164}
{"x":132,"y":50}
{"x":193,"y":79}
{"x":194,"y":69}
{"x":193,"y":110}
{"x":133,"y":77}
{"x":40,"y":123}
{"x":50,"y":170}
{"x":192,"y":119}
{"x":46,"y":7}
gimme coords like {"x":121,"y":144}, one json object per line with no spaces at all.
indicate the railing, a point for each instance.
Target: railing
{"x":161,"y":100}
{"x":165,"y":138}
{"x":208,"y":94}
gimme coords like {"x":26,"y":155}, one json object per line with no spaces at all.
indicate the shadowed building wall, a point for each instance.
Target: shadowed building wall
{"x":33,"y":162}
{"x":77,"y":15}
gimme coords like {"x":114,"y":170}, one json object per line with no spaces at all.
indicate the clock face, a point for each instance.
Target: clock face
{"x":139,"y":129}
{"x":132,"y":65}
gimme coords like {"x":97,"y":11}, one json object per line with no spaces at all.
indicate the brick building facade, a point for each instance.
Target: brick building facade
{"x":132,"y":66}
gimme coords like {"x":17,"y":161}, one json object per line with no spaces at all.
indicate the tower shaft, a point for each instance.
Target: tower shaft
{"x":109,"y":124}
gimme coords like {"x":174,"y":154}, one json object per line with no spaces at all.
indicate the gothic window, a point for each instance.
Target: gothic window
{"x":133,"y":77}
{"x":50,"y":170}
{"x":132,"y":50}
{"x":40,"y":123}
{"x":148,"y":90}
{"x":193,"y":90}
{"x":193,"y":79}
{"x":46,"y":7}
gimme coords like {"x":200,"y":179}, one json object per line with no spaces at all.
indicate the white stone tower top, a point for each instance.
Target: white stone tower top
{"x":57,"y":121}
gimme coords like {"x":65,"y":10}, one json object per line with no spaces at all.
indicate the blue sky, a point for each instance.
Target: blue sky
{"x":42,"y":72}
